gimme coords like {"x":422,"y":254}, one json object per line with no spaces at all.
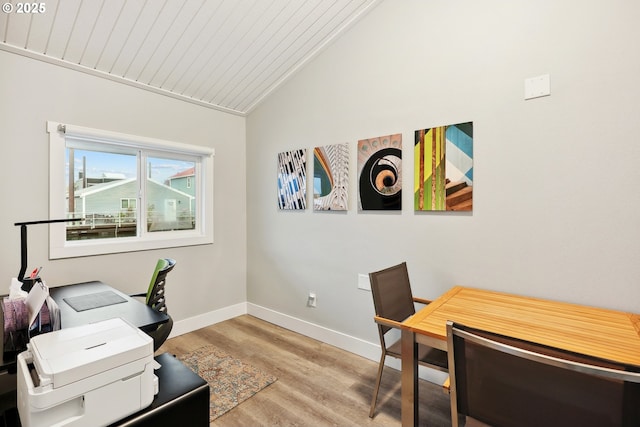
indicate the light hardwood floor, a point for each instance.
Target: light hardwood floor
{"x":318,"y":384}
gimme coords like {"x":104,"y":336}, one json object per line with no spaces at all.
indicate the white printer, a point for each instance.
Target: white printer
{"x":89,"y":375}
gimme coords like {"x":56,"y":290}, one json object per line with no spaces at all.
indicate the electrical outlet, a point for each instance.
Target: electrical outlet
{"x":311,"y":300}
{"x":363,"y":282}
{"x":536,"y":87}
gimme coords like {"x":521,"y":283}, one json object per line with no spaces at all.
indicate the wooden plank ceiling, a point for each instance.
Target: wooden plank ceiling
{"x":223,"y":54}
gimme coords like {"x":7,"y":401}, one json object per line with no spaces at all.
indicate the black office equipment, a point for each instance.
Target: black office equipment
{"x":27,"y":283}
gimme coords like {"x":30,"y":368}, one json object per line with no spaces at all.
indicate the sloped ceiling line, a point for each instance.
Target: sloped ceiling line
{"x":223,"y":54}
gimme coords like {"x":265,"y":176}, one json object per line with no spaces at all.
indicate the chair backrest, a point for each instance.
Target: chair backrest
{"x":503,"y":382}
{"x":155,"y":294}
{"x":392,"y":297}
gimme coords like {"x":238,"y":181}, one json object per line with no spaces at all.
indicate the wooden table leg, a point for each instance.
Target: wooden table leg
{"x":409,"y":379}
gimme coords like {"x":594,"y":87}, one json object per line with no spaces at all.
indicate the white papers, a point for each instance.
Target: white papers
{"x":54,"y":314}
{"x":35,"y":299}
{"x":15,"y":290}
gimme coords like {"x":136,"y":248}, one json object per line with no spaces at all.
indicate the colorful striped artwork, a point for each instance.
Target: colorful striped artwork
{"x":380,"y":173}
{"x":292,"y":179}
{"x":330,"y":177}
{"x":443,"y":168}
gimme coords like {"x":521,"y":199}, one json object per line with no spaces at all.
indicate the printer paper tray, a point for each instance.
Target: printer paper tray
{"x":92,"y":401}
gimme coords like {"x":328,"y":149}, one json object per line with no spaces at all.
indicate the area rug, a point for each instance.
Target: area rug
{"x":231,"y":381}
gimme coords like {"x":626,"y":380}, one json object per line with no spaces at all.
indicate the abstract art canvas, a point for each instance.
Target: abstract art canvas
{"x":292,"y":179}
{"x":443,"y":168}
{"x":330,"y":177}
{"x":380,"y":173}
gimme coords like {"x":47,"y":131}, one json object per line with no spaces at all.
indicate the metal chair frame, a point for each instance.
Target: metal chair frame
{"x":394,"y":302}
{"x":560,"y":361}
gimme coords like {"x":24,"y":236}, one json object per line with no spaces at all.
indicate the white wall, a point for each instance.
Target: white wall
{"x":555,"y":198}
{"x":206,"y":278}
{"x":555,"y":191}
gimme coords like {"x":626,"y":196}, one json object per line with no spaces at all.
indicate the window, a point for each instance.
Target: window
{"x":127,"y":204}
{"x":128,"y":193}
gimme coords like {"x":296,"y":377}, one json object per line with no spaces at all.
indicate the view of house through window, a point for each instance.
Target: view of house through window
{"x":170,"y":195}
{"x":104,"y":189}
{"x":126,"y":192}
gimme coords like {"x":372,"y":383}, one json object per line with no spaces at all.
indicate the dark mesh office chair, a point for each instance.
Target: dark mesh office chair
{"x":155,"y":298}
{"x":394,"y":302}
{"x":503,"y":382}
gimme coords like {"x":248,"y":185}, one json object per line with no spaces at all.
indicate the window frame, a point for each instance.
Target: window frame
{"x":59,"y":247}
{"x":128,"y":199}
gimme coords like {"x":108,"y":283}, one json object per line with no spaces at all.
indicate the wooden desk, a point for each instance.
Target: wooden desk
{"x":599,"y":332}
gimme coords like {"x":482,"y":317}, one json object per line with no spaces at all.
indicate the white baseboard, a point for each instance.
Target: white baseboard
{"x":320,"y":333}
{"x":343,"y":341}
{"x":207,"y":319}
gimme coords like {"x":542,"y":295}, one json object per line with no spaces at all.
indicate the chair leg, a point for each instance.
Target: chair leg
{"x":377,"y":386}
{"x":455,"y":420}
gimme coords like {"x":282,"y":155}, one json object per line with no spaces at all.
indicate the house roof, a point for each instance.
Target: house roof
{"x":186,"y":172}
{"x":98,"y":188}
